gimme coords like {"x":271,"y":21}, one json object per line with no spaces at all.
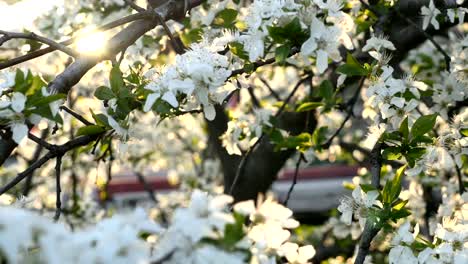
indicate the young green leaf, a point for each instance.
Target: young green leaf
{"x":307,"y":106}
{"x":104,"y":93}
{"x":116,"y":79}
{"x":423,"y":125}
{"x":90,"y":130}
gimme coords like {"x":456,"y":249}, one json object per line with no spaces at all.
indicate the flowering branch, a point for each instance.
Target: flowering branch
{"x":370,"y":231}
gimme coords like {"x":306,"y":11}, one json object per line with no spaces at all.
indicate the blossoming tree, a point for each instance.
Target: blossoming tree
{"x":223,"y":94}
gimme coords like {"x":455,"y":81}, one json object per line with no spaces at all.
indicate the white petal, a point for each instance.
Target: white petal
{"x":209,"y":111}
{"x":17,"y":102}
{"x":309,"y":46}
{"x":398,"y":101}
{"x":150,"y":101}
{"x":19,"y":131}
{"x":322,"y":61}
{"x":171,"y":99}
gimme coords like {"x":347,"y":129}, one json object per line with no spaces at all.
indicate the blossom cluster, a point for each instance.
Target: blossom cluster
{"x":450,"y":238}
{"x":28,"y":236}
{"x":203,"y":232}
{"x":16,"y":110}
{"x":220,"y":233}
{"x":244,"y":131}
{"x":195,"y":79}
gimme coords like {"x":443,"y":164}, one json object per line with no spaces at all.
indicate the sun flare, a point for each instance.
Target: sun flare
{"x":93,"y":44}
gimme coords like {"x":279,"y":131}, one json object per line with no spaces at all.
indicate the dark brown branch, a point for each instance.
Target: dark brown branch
{"x":35,"y":157}
{"x":40,"y":142}
{"x":76,"y":115}
{"x":268,"y":86}
{"x":294,"y":182}
{"x":370,"y":231}
{"x":58,"y":150}
{"x":176,"y":45}
{"x":429,"y":37}
{"x":58,"y":191}
{"x":261,"y":63}
{"x":146,"y":186}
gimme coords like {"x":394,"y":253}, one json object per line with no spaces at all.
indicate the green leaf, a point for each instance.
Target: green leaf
{"x":100,"y":119}
{"x":400,"y":214}
{"x":116,"y":79}
{"x":301,"y":142}
{"x":319,"y":136}
{"x":392,"y":153}
{"x":276,"y":136}
{"x":90,"y":130}
{"x":234,"y":232}
{"x":396,"y":183}
{"x":307,"y":106}
{"x":367,"y":187}
{"x":464,"y":132}
{"x":238,"y":49}
{"x":282,"y":53}
{"x":291,"y":33}
{"x":190,"y":36}
{"x":19,"y":77}
{"x":226,"y":18}
{"x":46,"y":100}
{"x":352,"y":70}
{"x":399,"y":204}
{"x":45,"y":112}
{"x":350,"y":60}
{"x":423,"y":125}
{"x":326,"y":90}
{"x":416,"y":153}
{"x":404,"y":128}
{"x":104,"y":93}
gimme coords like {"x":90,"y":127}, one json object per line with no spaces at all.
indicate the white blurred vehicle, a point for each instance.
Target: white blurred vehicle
{"x":318,"y":188}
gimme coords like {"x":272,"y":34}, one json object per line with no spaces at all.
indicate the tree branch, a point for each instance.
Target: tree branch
{"x":370,"y":231}
{"x":241,"y":167}
{"x":58,"y":150}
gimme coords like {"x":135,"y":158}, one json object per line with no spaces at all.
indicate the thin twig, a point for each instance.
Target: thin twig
{"x":59,"y":150}
{"x":261,"y":63}
{"x":58,"y":201}
{"x":76,"y":115}
{"x":268,"y":86}
{"x":241,"y":167}
{"x":461,"y":187}
{"x":41,"y":142}
{"x":175,"y":44}
{"x":41,"y":52}
{"x":146,"y":186}
{"x":32,"y":36}
{"x":134,"y":6}
{"x":293,"y":184}
{"x":429,"y":37}
{"x":35,"y":157}
{"x":350,"y":104}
